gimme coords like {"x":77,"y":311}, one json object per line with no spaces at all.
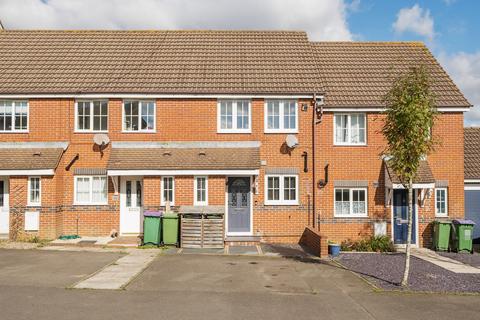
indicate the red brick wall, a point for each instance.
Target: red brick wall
{"x":364,"y":163}
{"x":196,"y":120}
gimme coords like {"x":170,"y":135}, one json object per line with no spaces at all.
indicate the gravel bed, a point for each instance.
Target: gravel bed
{"x":386,"y":271}
{"x":467,"y":258}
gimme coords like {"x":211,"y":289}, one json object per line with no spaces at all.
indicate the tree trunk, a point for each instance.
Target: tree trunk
{"x":409,"y":234}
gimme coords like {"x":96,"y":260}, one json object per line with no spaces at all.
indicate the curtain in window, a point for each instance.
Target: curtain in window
{"x":99,"y":189}
{"x":341,"y":128}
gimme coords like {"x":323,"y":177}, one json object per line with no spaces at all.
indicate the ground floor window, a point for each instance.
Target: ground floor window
{"x":350,"y":202}
{"x":34,"y":191}
{"x":168,"y":191}
{"x":91,"y":190}
{"x":200,"y":191}
{"x":281,"y":189}
{"x":441,"y":208}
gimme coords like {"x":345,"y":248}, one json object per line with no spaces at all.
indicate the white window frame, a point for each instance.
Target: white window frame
{"x":31,"y":203}
{"x":162,"y":189}
{"x":349,"y":128}
{"x":351,"y":215}
{"x":195,"y":201}
{"x":91,"y":130}
{"x":140,"y":101}
{"x":281,"y":201}
{"x":437,"y":214}
{"x":234,"y":128}
{"x":88,"y":203}
{"x":13,"y":117}
{"x":281,"y":128}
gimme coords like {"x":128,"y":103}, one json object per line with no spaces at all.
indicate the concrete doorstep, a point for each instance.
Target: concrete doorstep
{"x":444,"y":262}
{"x":118,"y":274}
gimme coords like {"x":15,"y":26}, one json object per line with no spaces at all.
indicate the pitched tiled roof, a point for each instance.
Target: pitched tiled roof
{"x":184,"y":159}
{"x":424,"y":174}
{"x":472,"y":153}
{"x":168,"y":62}
{"x":29,"y":159}
{"x":356,"y":74}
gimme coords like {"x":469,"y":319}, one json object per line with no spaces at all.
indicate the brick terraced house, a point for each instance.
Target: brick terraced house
{"x":278,"y":133}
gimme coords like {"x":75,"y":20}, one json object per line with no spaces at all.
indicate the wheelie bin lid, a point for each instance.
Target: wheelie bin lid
{"x":153,"y":213}
{"x":170,"y":215}
{"x":463,"y":222}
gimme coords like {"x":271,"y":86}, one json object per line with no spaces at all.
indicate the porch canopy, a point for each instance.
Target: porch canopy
{"x":30,"y":158}
{"x":184,"y":158}
{"x":424,"y":181}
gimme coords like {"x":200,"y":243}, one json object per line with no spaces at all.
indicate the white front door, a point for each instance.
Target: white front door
{"x":131,"y":206}
{"x":4,"y":207}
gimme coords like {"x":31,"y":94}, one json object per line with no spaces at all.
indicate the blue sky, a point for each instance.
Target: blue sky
{"x":449,"y":27}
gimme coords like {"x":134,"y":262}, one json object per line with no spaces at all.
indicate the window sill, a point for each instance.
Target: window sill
{"x":269,"y":203}
{"x":441,"y":215}
{"x":281,"y":131}
{"x":350,"y":144}
{"x":86,"y":131}
{"x":33,"y":205}
{"x":351,"y":216}
{"x":234,"y":131}
{"x":90,"y":204}
{"x":138,"y":131}
{"x":202,"y":204}
{"x":13,"y":132}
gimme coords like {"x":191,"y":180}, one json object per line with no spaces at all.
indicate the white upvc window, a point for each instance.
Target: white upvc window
{"x":281,"y":189}
{"x":441,"y":202}
{"x":281,"y":116}
{"x":350,"y":129}
{"x":139,"y":116}
{"x":91,"y":190}
{"x":13,"y":116}
{"x":350,"y":202}
{"x":91,"y":116}
{"x":234,"y":116}
{"x":168,"y":191}
{"x":34,"y":191}
{"x":200,"y":191}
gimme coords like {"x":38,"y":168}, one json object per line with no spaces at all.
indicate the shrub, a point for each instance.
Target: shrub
{"x":370,"y":244}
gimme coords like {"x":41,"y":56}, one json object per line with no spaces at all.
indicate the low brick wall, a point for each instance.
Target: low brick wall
{"x":314,"y":242}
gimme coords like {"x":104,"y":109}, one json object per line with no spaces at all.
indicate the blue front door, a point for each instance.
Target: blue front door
{"x":400,"y":217}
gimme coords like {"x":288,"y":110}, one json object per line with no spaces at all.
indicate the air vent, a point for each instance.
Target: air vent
{"x":37,"y":154}
{"x":167,"y":154}
{"x":202,"y":154}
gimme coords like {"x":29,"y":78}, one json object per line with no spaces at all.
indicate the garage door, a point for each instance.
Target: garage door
{"x":472,"y":210}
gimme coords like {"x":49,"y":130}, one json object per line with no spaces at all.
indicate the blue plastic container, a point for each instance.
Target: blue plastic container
{"x":334,"y":249}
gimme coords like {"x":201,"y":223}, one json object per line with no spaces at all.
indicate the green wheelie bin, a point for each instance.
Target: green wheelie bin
{"x":441,"y":235}
{"x":462,"y":235}
{"x":152,"y":228}
{"x":170,"y":228}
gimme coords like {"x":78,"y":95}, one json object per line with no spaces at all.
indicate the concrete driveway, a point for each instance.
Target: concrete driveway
{"x":208,"y":287}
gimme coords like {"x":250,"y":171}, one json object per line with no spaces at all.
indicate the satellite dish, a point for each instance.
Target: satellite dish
{"x":291,"y":141}
{"x":101,"y":139}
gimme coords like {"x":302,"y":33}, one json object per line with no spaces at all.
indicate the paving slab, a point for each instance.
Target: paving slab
{"x":243,"y":250}
{"x":202,"y":250}
{"x":444,"y":262}
{"x":119,"y":274}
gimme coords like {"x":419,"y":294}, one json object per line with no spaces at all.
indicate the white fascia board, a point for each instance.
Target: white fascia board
{"x":472,"y":181}
{"x":34,"y":172}
{"x":472,"y":187}
{"x":183,"y":172}
{"x":157,"y":96}
{"x":382,"y":109}
{"x":415,"y":186}
{"x":34,"y":145}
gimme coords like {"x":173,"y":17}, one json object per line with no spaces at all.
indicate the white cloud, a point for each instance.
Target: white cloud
{"x":323,"y":20}
{"x":464,"y":68}
{"x":415,"y":20}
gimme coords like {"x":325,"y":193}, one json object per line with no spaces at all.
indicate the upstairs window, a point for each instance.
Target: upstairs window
{"x":139,"y":116}
{"x":350,"y":129}
{"x":13,"y":116}
{"x":281,"y":116}
{"x":91,"y":116}
{"x":234,"y":116}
